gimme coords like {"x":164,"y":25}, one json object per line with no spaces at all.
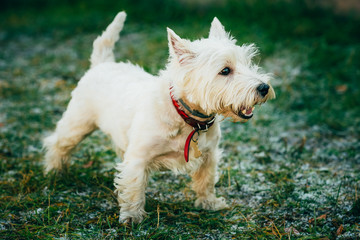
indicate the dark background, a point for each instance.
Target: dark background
{"x":291,"y":172}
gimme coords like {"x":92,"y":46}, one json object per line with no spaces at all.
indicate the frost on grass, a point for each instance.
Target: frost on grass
{"x":278,"y":172}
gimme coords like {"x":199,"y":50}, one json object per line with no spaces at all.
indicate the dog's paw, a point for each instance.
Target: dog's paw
{"x":129,"y":217}
{"x":211,"y":203}
{"x":130,"y":220}
{"x":62,"y":169}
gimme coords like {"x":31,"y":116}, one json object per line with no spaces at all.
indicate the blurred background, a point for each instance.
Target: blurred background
{"x":325,"y":33}
{"x":292,"y":171}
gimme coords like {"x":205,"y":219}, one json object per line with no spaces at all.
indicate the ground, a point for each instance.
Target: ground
{"x":292,"y":172}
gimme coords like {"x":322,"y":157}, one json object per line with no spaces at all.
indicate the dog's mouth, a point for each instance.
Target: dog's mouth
{"x":246,"y":112}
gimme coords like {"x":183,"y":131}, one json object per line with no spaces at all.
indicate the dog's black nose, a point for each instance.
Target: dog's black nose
{"x":263,"y":89}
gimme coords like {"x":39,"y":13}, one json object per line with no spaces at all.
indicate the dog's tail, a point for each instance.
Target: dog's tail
{"x":104,"y":44}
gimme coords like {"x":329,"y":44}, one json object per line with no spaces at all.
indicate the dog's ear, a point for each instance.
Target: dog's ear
{"x":179,"y":48}
{"x":217,"y":30}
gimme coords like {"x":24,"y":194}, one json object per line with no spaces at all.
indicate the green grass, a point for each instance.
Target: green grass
{"x":292,"y":172}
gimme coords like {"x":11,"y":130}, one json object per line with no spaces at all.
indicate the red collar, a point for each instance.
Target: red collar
{"x":197,"y":125}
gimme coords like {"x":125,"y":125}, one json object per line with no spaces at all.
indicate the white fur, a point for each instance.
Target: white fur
{"x":135,"y":109}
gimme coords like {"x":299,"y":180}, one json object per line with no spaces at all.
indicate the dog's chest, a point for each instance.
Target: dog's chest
{"x":169,"y":152}
{"x":196,"y":146}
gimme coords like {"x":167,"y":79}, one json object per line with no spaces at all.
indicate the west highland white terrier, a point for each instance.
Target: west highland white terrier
{"x":160,"y":122}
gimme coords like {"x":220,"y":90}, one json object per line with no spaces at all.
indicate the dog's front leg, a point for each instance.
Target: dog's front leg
{"x":130,"y":185}
{"x":204,"y":180}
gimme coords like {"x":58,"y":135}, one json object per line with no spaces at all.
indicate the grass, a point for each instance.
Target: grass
{"x":292,"y":172}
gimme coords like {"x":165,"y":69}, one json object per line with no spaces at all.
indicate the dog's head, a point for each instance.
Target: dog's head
{"x":216,"y":75}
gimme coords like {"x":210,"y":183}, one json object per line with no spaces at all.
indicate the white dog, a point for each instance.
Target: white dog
{"x":166,"y":121}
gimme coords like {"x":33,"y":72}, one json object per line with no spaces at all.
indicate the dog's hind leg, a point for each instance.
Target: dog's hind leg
{"x":75,"y":124}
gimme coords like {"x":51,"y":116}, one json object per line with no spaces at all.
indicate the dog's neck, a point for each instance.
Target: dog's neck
{"x":192,"y":110}
{"x":191,"y":115}
{"x":189,"y":118}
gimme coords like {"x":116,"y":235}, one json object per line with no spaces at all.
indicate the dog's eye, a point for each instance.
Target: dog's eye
{"x":225,"y":71}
